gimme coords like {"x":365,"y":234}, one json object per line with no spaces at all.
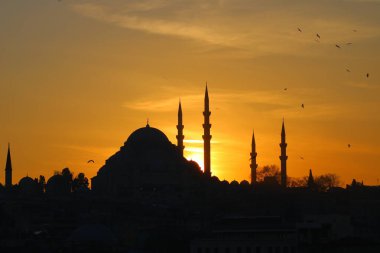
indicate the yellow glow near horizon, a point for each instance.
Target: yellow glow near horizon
{"x":195,"y":154}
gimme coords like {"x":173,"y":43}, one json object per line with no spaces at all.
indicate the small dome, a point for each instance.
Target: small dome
{"x":147,"y":137}
{"x":26,"y":181}
{"x":28,"y":186}
{"x":57,"y":185}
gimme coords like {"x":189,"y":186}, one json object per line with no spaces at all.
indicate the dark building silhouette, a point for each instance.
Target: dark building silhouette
{"x":253,"y":160}
{"x":147,"y":161}
{"x":180,"y":127}
{"x":8,"y":169}
{"x":283,"y":156}
{"x":207,"y":136}
{"x":58,"y":185}
{"x":28,"y":187}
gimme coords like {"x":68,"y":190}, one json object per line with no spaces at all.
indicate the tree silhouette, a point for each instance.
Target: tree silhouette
{"x":68,"y":178}
{"x":327,"y":181}
{"x":80,"y":182}
{"x":297,"y":181}
{"x":322,"y":182}
{"x":268,"y":171}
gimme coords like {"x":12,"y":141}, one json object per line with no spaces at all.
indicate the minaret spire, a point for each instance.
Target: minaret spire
{"x":310,"y":180}
{"x":180,"y":127}
{"x":253,"y":160}
{"x":283,"y":156}
{"x":8,"y":169}
{"x":206,"y":135}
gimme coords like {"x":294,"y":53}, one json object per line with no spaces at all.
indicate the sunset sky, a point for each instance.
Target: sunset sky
{"x":78,"y":77}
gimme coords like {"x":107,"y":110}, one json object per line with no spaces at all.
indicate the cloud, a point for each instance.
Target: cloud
{"x":154,"y":25}
{"x":221,"y":97}
{"x":247,"y":28}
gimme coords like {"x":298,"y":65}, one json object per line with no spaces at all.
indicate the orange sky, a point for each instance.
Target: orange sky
{"x":78,"y":77}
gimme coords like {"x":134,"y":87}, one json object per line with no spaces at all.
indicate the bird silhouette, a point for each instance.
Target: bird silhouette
{"x":302,"y":105}
{"x":301,"y":157}
{"x":299,"y":29}
{"x":348,"y":70}
{"x":349,"y":43}
{"x":285,"y":89}
{"x":90,"y":161}
{"x":349,"y":145}
{"x":368,"y":75}
{"x":337,"y":45}
{"x":319,"y":36}
{"x":354,"y":30}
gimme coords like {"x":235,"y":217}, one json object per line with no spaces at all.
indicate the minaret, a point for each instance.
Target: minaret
{"x":180,"y":127}
{"x":283,"y":156}
{"x":8,"y":170}
{"x":310,"y":180}
{"x":206,"y":136}
{"x":253,"y":160}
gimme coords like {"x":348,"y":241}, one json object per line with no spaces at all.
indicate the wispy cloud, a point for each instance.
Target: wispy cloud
{"x":154,"y":25}
{"x":236,"y":25}
{"x":224,"y":97}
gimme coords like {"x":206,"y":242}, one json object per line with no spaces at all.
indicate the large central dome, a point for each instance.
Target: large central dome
{"x":147,"y":137}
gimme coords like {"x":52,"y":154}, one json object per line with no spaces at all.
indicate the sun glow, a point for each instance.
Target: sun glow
{"x":195,"y":154}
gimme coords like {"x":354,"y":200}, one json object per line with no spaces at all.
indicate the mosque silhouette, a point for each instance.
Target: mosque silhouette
{"x":148,"y":160}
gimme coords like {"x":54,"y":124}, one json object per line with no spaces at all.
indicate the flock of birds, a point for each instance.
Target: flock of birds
{"x":338,"y":46}
{"x":318,"y":39}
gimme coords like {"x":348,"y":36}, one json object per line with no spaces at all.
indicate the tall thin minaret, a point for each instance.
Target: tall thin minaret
{"x":180,"y":127}
{"x":8,"y":169}
{"x":283,"y":156}
{"x":253,"y":160}
{"x":206,"y":136}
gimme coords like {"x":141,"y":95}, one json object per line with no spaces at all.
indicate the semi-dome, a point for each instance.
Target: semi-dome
{"x":147,"y":137}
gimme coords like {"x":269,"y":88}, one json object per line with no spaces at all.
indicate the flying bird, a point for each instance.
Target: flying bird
{"x":349,"y":145}
{"x":354,"y":30}
{"x":90,"y":161}
{"x":285,"y":89}
{"x":299,"y":29}
{"x":348,"y":70}
{"x":337,"y":45}
{"x":319,"y":36}
{"x":302,"y":105}
{"x":368,"y":75}
{"x":349,"y":43}
{"x":301,"y":157}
